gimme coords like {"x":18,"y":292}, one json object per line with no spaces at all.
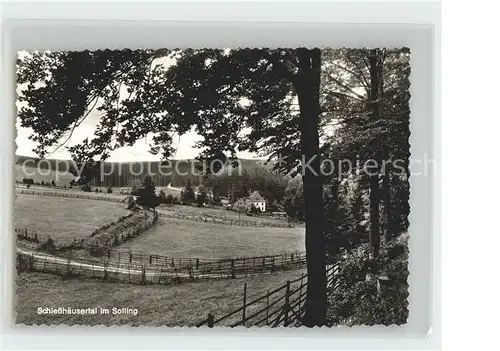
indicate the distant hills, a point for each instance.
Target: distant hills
{"x":121,"y":174}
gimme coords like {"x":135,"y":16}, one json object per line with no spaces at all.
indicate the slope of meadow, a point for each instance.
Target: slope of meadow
{"x":185,"y":238}
{"x":64,"y":218}
{"x":169,"y":305}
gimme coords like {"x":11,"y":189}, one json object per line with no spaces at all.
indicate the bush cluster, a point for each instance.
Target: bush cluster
{"x":371,"y":292}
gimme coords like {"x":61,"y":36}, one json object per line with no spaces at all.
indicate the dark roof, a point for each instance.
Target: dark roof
{"x":255,"y":196}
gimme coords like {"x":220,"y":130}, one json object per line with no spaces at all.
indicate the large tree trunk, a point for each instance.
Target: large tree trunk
{"x":374,"y":215}
{"x":307,"y":86}
{"x":374,"y":110}
{"x":386,"y":194}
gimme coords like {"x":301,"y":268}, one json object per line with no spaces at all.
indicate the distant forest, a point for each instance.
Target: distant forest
{"x":129,"y":171}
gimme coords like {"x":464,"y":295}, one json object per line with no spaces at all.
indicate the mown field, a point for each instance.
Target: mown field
{"x":184,"y":238}
{"x":42,"y":175}
{"x":219,"y":213}
{"x":169,"y":305}
{"x":64,"y":218}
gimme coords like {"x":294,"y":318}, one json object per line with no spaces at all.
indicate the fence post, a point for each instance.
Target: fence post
{"x":267,"y":307}
{"x":232,"y":271}
{"x":272,"y":269}
{"x":300,"y":292}
{"x":210,"y":320}
{"x":150,"y":259}
{"x":130,"y":257}
{"x":244,"y":303}
{"x":143,"y":274}
{"x":287,"y":301}
{"x":68,"y":267}
{"x":197,"y":263}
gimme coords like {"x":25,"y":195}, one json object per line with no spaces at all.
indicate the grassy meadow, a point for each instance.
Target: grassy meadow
{"x":42,"y":175}
{"x":184,"y":238}
{"x":64,"y":218}
{"x":219,"y":213}
{"x":169,"y":305}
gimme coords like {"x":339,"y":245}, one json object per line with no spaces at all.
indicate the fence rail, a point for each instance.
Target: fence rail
{"x":114,"y":234}
{"x":69,"y":194}
{"x":283,"y":306}
{"x":133,"y":272}
{"x":212,"y":219}
{"x":102,"y":238}
{"x":235,"y":266}
{"x":37,"y":237}
{"x":224,"y":220}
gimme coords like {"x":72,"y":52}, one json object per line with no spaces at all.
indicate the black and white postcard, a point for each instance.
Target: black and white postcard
{"x":213,"y":187}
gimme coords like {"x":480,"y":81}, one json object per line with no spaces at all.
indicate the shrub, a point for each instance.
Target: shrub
{"x":370,"y":292}
{"x":254,"y":210}
{"x":187,"y":194}
{"x":109,"y":190}
{"x":147,"y":196}
{"x":170,"y":199}
{"x":86,"y":188}
{"x":28,"y":181}
{"x":202,"y":197}
{"x":162,"y":197}
{"x":48,"y":245}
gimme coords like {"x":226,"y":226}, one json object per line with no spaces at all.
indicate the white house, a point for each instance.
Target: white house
{"x":257,"y":200}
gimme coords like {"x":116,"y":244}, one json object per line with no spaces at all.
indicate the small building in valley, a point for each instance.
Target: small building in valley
{"x":256,"y":200}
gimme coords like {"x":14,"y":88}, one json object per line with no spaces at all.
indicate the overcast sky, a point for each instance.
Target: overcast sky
{"x":138,"y":152}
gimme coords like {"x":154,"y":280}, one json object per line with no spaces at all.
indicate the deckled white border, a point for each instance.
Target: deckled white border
{"x":232,"y":24}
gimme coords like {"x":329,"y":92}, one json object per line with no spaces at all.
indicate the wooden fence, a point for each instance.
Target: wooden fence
{"x":82,"y":268}
{"x":69,"y":194}
{"x":224,"y":220}
{"x":152,"y":272}
{"x":108,"y":236}
{"x":239,"y":265}
{"x":212,"y":219}
{"x":94,"y":242}
{"x":283,"y":306}
{"x":36,"y":237}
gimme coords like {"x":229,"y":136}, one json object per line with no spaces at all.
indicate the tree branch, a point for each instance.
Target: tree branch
{"x":75,"y":125}
{"x":360,"y":76}
{"x":346,"y":88}
{"x":275,"y":61}
{"x":359,"y":69}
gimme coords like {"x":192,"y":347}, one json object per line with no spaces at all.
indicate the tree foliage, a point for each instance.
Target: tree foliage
{"x":147,"y":197}
{"x":293,"y":201}
{"x":202,"y":197}
{"x":187,"y":194}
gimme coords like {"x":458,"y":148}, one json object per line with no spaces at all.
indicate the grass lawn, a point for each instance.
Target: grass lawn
{"x":170,"y":305}
{"x":184,"y":238}
{"x":218,"y":213}
{"x":64,"y":218}
{"x":41,"y":175}
{"x":75,"y":190}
